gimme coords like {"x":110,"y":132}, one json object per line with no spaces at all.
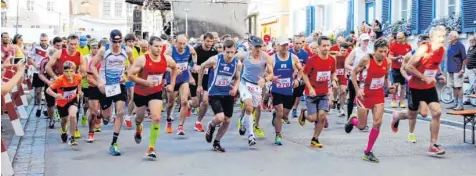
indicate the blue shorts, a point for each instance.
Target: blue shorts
{"x":130,"y":84}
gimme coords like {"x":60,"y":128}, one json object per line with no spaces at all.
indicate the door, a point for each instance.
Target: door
{"x":370,"y":11}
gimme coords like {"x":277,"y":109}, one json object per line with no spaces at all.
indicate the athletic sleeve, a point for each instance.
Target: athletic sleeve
{"x":56,"y":83}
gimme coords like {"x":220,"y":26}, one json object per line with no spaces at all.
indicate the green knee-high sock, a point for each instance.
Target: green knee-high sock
{"x":154,"y":133}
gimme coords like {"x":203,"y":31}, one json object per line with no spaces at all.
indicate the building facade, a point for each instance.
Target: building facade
{"x":325,"y":16}
{"x":271,"y":17}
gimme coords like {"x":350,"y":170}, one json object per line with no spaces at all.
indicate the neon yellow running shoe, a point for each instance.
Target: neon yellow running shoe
{"x":259,"y":132}
{"x":77,"y":134}
{"x":84,"y":120}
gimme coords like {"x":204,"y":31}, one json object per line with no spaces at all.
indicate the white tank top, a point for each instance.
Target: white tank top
{"x":359,"y":54}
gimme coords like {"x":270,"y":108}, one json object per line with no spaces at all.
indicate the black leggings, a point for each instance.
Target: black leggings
{"x":350,"y":102}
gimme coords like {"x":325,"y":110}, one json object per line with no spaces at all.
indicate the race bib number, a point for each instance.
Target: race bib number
{"x":182,"y":66}
{"x":430,"y":73}
{"x":253,"y":88}
{"x":113,"y":89}
{"x":223,"y":80}
{"x":377,"y":83}
{"x":157,"y":78}
{"x":323,"y":76}
{"x":69,"y":94}
{"x":340,"y":71}
{"x":284,"y":83}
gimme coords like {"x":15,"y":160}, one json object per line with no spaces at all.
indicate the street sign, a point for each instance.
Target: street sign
{"x":267,"y":38}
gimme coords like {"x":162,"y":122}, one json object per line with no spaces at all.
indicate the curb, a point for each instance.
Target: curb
{"x":428,"y":119}
{"x":15,"y":142}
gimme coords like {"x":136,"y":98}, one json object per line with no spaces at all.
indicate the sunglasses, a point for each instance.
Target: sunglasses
{"x":116,"y":41}
{"x":229,"y":52}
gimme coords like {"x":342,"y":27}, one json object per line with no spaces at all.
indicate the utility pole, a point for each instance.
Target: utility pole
{"x":186,"y":21}
{"x":18,"y":17}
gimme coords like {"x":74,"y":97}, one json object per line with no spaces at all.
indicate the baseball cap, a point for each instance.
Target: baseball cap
{"x":115,"y":35}
{"x":282,"y":40}
{"x":256,"y":41}
{"x":364,"y":36}
{"x":94,"y":43}
{"x":83,"y":40}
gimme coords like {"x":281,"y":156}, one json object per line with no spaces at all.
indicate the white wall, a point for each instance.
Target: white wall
{"x":297,"y":16}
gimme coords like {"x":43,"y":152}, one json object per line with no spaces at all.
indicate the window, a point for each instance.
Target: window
{"x":51,"y":26}
{"x":19,"y":26}
{"x":445,"y":8}
{"x":118,"y":8}
{"x":106,"y":8}
{"x":37,"y":26}
{"x":451,"y":7}
{"x":402,"y":9}
{"x":49,"y":6}
{"x":404,"y":12}
{"x":32,"y":26}
{"x":29,"y":5}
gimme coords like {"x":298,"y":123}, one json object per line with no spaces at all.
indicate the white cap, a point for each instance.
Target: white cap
{"x":364,"y":36}
{"x":283,"y":40}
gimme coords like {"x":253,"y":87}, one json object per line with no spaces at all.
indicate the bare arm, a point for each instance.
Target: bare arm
{"x":359,"y":68}
{"x":173,"y":74}
{"x":136,"y":68}
{"x":414,"y":62}
{"x":51,"y":63}
{"x":83,"y":67}
{"x":350,"y":60}
{"x":297,"y":67}
{"x":402,"y":68}
{"x":269,"y":67}
{"x":8,"y":86}
{"x":237,"y":76}
{"x":42,"y":76}
{"x":94,"y":63}
{"x":130,"y":56}
{"x":211,"y":62}
{"x":194,"y":55}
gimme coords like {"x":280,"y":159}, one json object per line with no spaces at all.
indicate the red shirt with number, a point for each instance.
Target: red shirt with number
{"x":152,"y":71}
{"x":373,"y":84}
{"x":75,"y":58}
{"x":68,"y":89}
{"x":320,"y":73}
{"x":428,"y":66}
{"x":396,"y":50}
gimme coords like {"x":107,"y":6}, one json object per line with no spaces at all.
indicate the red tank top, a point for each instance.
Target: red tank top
{"x":151,"y":71}
{"x":428,"y":66}
{"x":76,"y":58}
{"x":375,"y":80}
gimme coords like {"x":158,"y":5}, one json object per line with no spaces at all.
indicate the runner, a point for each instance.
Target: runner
{"x":54,"y":66}
{"x":50,"y":101}
{"x":303,"y":57}
{"x":398,"y":50}
{"x":283,"y":84}
{"x":318,"y":74}
{"x":94,"y":95}
{"x":68,"y":88}
{"x":111,"y":82}
{"x":223,"y":82}
{"x":351,"y":61}
{"x":150,"y":69}
{"x":370,"y":96}
{"x":336,"y":48}
{"x":340,"y":92}
{"x":37,"y":53}
{"x":180,"y":53}
{"x":424,"y":66}
{"x":255,"y":64}
{"x":204,"y":51}
{"x":130,"y":40}
{"x":423,"y":109}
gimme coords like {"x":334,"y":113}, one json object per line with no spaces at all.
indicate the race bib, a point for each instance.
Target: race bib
{"x":323,"y":76}
{"x":157,"y":78}
{"x":430,"y":73}
{"x":69,"y":94}
{"x":284,"y":83}
{"x":340,"y":71}
{"x":377,"y":83}
{"x":182,"y":66}
{"x":113,"y":89}
{"x":222,"y":80}
{"x":253,"y":88}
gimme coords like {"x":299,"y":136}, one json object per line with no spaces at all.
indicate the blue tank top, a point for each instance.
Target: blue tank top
{"x":113,"y":67}
{"x":302,"y":55}
{"x":220,"y":79}
{"x":252,"y":71}
{"x":284,"y":70}
{"x":182,"y":64}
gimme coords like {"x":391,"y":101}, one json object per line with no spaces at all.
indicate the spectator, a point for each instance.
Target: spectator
{"x":18,"y":44}
{"x":377,"y":28}
{"x":456,"y":61}
{"x":8,"y":50}
{"x":471,"y":59}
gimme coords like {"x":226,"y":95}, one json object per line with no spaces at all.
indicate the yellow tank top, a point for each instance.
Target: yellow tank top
{"x":19,"y":52}
{"x":84,"y":50}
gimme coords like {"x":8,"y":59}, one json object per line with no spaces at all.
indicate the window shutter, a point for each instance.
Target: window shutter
{"x":350,"y":16}
{"x":414,"y":17}
{"x":425,"y":15}
{"x":309,"y":19}
{"x":468,"y":17}
{"x":386,"y":11}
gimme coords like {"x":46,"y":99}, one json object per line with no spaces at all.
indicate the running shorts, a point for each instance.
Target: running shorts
{"x":140,"y":100}
{"x":221,"y":104}
{"x":94,"y":93}
{"x":50,"y":101}
{"x":85,"y":92}
{"x":106,"y":102}
{"x":369,"y":102}
{"x":415,"y":96}
{"x":342,"y":80}
{"x":63,"y":111}
{"x":193,"y":89}
{"x":314,"y":104}
{"x":299,"y":91}
{"x":286,"y":100}
{"x":398,"y":77}
{"x":37,"y":82}
{"x":250,"y":91}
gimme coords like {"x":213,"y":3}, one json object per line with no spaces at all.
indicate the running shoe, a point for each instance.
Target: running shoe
{"x":151,"y":153}
{"x":38,"y":112}
{"x":369,"y":156}
{"x":97,"y":130}
{"x":402,"y":105}
{"x":251,"y":140}
{"x":278,"y":140}
{"x":341,"y":113}
{"x":435,"y":150}
{"x":169,"y":128}
{"x":259,"y":132}
{"x":138,"y":135}
{"x":77,"y":134}
{"x":349,"y":126}
{"x":51,"y":124}
{"x":241,"y":127}
{"x":198,"y":127}
{"x":114,"y":150}
{"x":64,"y":136}
{"x":395,"y":121}
{"x":316,"y":144}
{"x":217,"y":147}
{"x":72,"y":142}
{"x":302,"y":118}
{"x":128,"y":121}
{"x":45,"y":113}
{"x":90,"y":138}
{"x":411,"y":138}
{"x":294,"y":113}
{"x":105,"y":121}
{"x":84,"y":120}
{"x":210,"y":132}
{"x":394,"y":103}
{"x":180,"y":131}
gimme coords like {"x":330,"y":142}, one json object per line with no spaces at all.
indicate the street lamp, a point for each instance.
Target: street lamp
{"x":186,"y":21}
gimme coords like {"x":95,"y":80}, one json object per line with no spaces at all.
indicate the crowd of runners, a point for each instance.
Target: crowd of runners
{"x":123,"y":81}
